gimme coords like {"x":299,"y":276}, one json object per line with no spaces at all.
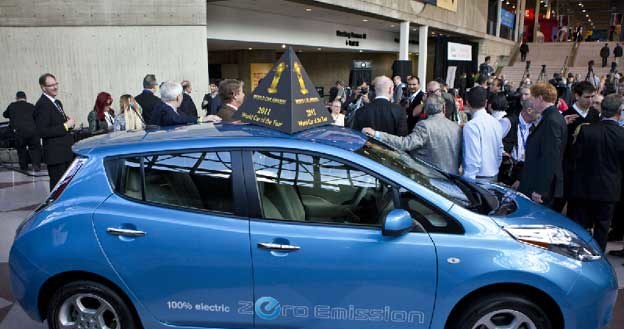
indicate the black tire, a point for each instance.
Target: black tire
{"x":125,"y":318}
{"x":499,"y":302}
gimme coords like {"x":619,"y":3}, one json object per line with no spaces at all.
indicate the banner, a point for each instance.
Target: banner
{"x":459,"y":52}
{"x":448,"y":4}
{"x":507,"y":18}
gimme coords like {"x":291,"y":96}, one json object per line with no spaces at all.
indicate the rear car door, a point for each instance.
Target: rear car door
{"x":174,"y":233}
{"x":315,"y":268}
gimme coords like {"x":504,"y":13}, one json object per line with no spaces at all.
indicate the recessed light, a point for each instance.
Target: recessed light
{"x":584,"y":10}
{"x":392,"y":25}
{"x":361,"y":50}
{"x":308,"y":9}
{"x":283,"y":46}
{"x":250,"y":48}
{"x":365,"y":20}
{"x":319,"y":49}
{"x":586,"y":15}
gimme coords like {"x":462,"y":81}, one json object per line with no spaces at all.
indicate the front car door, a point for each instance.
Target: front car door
{"x":180,"y":243}
{"x":320,"y":259}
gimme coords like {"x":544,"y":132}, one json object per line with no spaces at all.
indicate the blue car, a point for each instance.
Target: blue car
{"x":238,"y":226}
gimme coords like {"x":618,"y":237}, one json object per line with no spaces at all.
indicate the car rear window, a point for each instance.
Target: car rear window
{"x":201,"y":180}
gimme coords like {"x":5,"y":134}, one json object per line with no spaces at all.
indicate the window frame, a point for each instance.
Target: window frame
{"x":255,"y":203}
{"x":239,"y":194}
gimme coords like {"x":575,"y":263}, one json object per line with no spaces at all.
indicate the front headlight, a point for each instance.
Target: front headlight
{"x":555,"y":239}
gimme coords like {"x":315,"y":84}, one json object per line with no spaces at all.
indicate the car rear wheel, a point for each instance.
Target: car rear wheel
{"x":88,"y":305}
{"x":504,"y":312}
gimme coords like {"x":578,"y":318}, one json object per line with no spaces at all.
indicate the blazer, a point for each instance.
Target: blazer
{"x":598,"y":161}
{"x":383,"y":116}
{"x":21,"y":116}
{"x":188,"y":106}
{"x":436,"y":140}
{"x":543,"y":172}
{"x":164,"y":115}
{"x":148,"y":101}
{"x":50,"y":123}
{"x":226,"y":113}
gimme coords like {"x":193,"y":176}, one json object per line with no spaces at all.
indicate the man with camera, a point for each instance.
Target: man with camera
{"x":357,"y":100}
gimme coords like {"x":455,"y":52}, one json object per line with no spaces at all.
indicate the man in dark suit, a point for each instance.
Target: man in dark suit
{"x":542,"y":176}
{"x":381,"y":114}
{"x":22,"y":123}
{"x":413,"y":103}
{"x":485,"y":69}
{"x":188,"y":106}
{"x":580,"y":113}
{"x":167,"y":113}
{"x":598,"y":162}
{"x":524,"y":50}
{"x":232,"y":95}
{"x":604,"y":54}
{"x":147,"y":99}
{"x":54,"y":126}
{"x":212,"y":102}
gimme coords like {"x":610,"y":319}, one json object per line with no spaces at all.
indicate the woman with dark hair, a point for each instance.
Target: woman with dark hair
{"x":102,"y":117}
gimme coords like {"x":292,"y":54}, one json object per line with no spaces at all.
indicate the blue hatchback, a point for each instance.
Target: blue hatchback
{"x":237,"y":226}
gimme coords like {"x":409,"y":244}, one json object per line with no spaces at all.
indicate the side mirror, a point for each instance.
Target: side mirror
{"x":397,"y":222}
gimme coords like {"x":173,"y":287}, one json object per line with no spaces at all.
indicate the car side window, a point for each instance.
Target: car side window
{"x":431,"y":218}
{"x":201,"y":180}
{"x":311,"y":188}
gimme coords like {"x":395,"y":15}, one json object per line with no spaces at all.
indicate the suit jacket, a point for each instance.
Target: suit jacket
{"x":21,"y":116}
{"x":164,"y":115}
{"x":409,"y":110}
{"x":617,"y":51}
{"x":148,"y":101}
{"x":543,"y":172}
{"x":383,"y":116}
{"x":436,"y":140}
{"x":50,"y":123}
{"x":598,"y":161}
{"x":188,"y":106}
{"x":226,"y":113}
{"x":604,"y":52}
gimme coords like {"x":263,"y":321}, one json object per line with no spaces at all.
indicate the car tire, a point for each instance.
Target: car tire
{"x":500,"y":310}
{"x":88,"y":304}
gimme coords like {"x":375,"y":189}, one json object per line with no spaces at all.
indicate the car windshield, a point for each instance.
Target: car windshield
{"x":416,"y":170}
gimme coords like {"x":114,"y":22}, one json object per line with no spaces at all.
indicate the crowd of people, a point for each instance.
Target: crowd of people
{"x":560,"y":143}
{"x":44,"y":132}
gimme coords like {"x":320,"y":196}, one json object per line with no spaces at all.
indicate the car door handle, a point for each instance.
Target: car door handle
{"x":278,"y":247}
{"x":124,"y":232}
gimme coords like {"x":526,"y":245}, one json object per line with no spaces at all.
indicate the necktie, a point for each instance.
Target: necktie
{"x":59,"y":107}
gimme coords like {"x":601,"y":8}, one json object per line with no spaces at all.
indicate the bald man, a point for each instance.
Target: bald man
{"x":381,"y":114}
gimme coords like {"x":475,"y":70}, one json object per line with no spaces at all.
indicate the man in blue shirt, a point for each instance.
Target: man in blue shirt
{"x":483,"y":140}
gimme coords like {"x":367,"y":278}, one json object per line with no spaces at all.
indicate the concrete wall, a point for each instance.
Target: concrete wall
{"x":100,"y":46}
{"x":323,"y":68}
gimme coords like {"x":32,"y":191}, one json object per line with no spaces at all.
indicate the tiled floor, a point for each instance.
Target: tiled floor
{"x":20,"y":193}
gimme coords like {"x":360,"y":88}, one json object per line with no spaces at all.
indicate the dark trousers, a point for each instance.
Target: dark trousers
{"x":596,"y":215}
{"x":523,"y":56}
{"x":29,"y":146}
{"x":617,"y":224}
{"x":604,"y":61}
{"x":56,"y":171}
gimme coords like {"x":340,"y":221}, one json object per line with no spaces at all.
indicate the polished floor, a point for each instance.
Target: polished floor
{"x":21,"y":192}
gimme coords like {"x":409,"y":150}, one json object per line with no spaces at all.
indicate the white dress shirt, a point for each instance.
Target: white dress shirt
{"x":483,"y":146}
{"x":580,"y":112}
{"x":524,"y":129}
{"x":504,"y":122}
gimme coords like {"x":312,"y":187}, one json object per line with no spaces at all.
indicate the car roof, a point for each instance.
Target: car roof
{"x":344,"y":138}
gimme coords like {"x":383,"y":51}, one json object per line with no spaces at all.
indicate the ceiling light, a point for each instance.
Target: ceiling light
{"x":319,"y":49}
{"x":308,"y":9}
{"x":584,"y":10}
{"x":283,"y":46}
{"x":250,"y":48}
{"x":586,"y":15}
{"x":361,"y":50}
{"x":365,"y":20}
{"x":391,"y":25}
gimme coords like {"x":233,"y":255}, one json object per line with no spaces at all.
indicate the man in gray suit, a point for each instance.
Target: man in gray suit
{"x":436,"y":140}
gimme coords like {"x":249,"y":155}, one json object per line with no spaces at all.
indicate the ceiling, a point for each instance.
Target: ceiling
{"x":596,"y":13}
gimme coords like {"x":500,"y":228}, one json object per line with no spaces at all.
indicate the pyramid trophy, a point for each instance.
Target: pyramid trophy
{"x":285,"y":99}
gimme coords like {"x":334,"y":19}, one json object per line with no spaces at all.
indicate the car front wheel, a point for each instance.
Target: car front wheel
{"x":88,"y":305}
{"x":504,"y":311}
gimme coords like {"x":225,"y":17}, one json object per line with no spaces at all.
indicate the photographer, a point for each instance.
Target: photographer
{"x":358,"y":99}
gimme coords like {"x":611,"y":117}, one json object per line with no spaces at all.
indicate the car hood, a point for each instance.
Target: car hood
{"x":531,"y":213}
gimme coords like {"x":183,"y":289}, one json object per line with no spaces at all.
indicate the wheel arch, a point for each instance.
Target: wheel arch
{"x":537,"y":296}
{"x":55,"y":282}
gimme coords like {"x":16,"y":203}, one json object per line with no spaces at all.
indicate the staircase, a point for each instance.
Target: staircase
{"x":553,"y":55}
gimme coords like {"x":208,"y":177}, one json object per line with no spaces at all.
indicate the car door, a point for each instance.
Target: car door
{"x":338,"y":271}
{"x":179,"y":243}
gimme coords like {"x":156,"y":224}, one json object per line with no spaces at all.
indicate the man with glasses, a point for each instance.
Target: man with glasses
{"x":54,"y":125}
